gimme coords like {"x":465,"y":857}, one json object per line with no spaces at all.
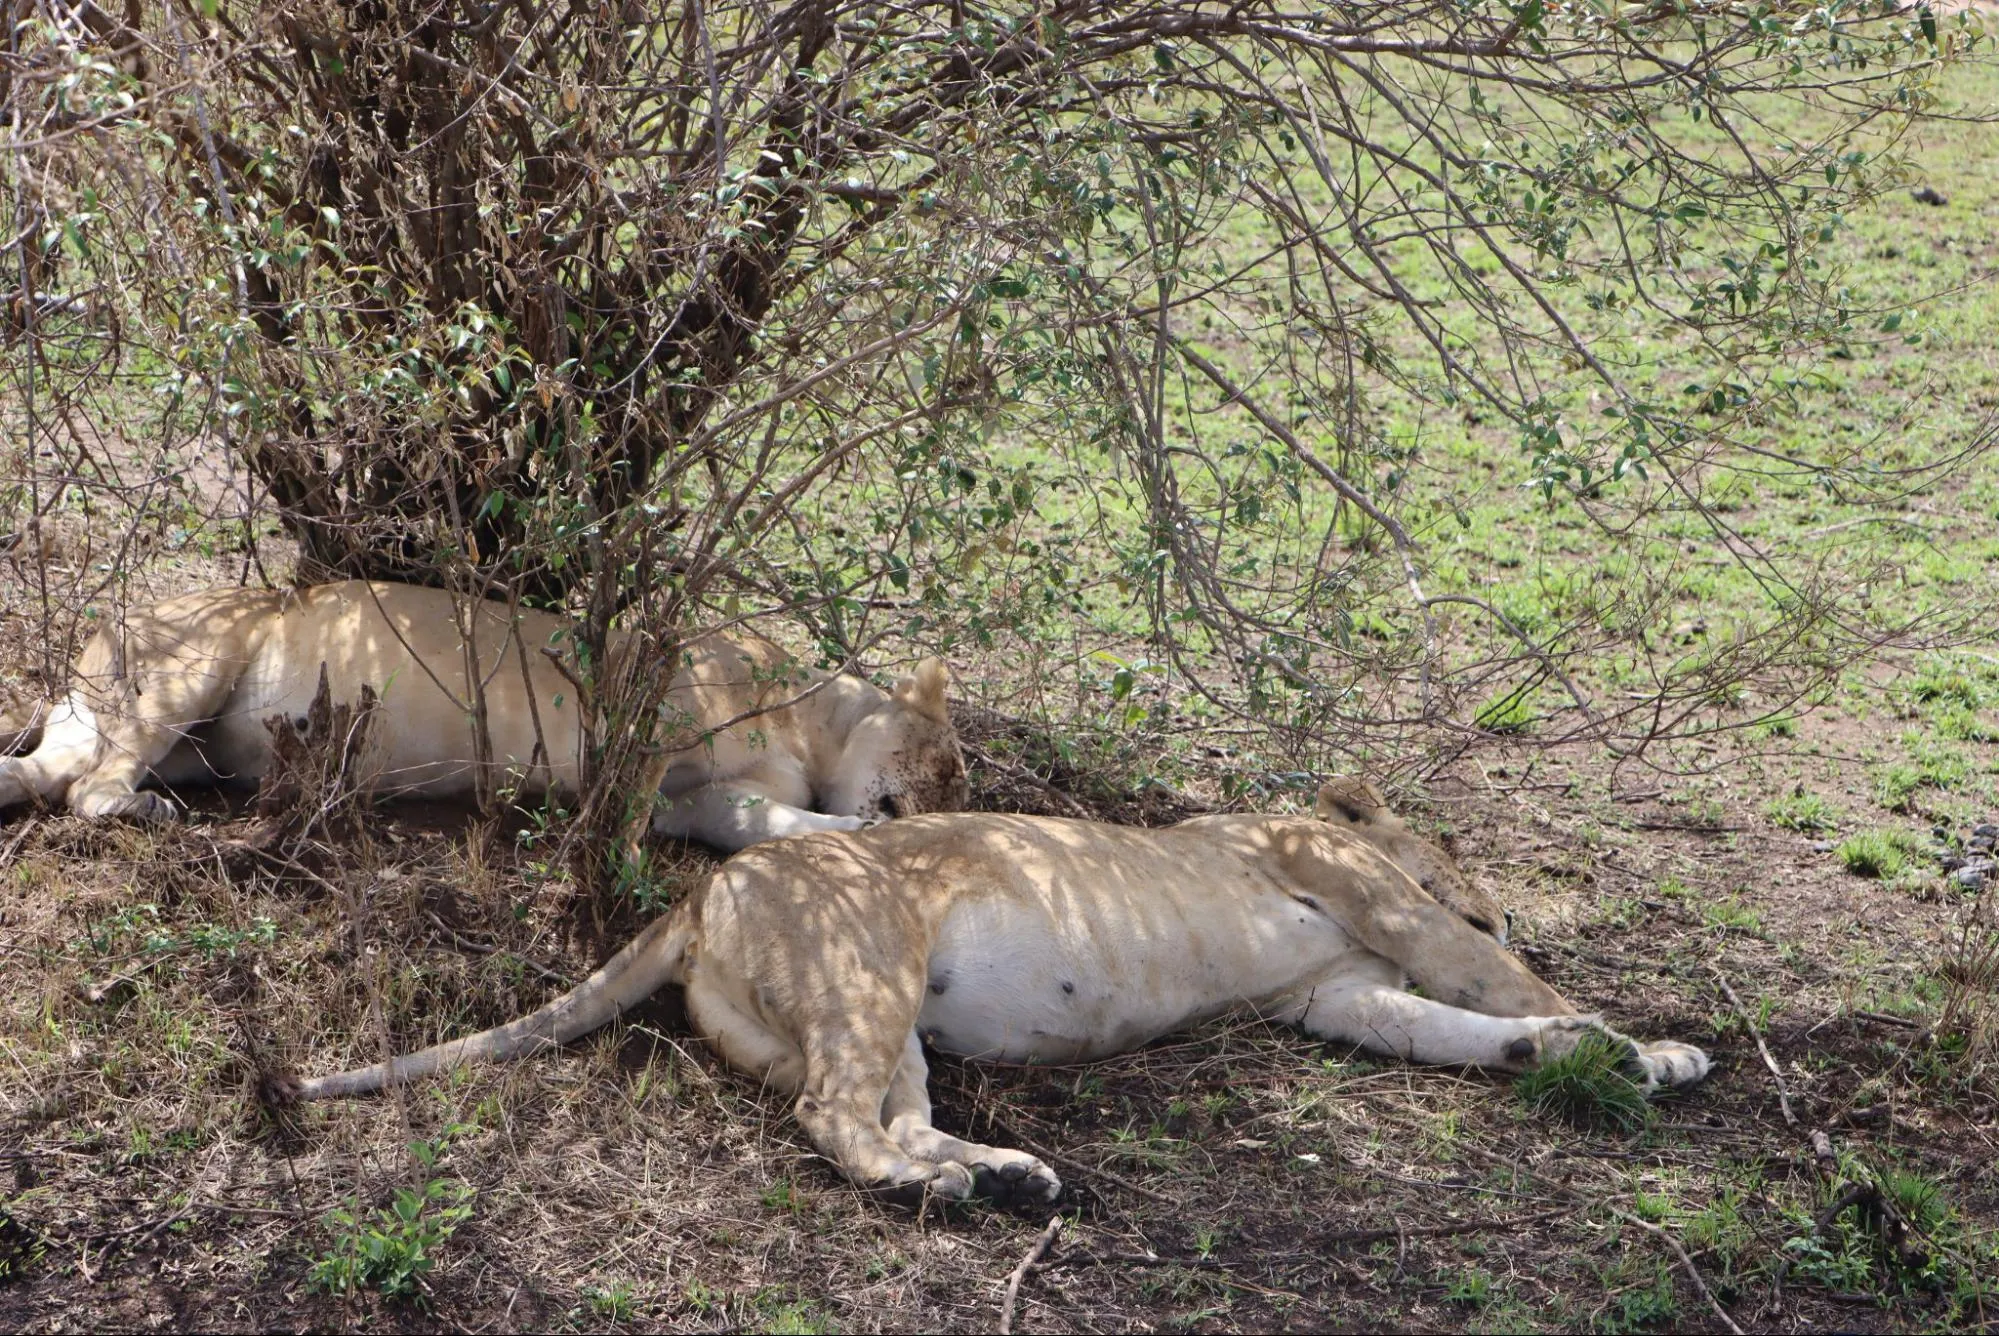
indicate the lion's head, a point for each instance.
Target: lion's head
{"x":903,"y":758}
{"x":1359,"y":806}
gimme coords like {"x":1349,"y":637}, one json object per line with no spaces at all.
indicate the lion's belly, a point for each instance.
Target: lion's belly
{"x":1012,"y":980}
{"x":421,"y":737}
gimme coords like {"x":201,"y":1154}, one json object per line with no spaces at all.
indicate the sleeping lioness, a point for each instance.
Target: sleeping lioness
{"x":821,"y":965}
{"x":180,"y":692}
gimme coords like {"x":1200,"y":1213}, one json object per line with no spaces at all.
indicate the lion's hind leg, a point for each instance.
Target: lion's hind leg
{"x":1005,"y":1177}
{"x":839,"y":1071}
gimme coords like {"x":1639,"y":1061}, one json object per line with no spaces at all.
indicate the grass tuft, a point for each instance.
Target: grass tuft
{"x":1877,"y":853}
{"x":1587,"y":1087}
{"x":1802,"y":811}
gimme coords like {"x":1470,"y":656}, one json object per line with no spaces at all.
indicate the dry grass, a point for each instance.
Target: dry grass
{"x":1240,"y":1178}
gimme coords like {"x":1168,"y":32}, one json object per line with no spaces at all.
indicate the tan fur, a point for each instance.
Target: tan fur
{"x":821,"y":965}
{"x":179,"y":692}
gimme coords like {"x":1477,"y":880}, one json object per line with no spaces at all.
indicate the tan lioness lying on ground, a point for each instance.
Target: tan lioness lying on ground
{"x":820,"y":965}
{"x":179,"y":693}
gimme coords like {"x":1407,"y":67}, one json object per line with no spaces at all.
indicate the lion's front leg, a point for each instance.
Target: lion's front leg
{"x":736,"y":814}
{"x":1387,"y":1020}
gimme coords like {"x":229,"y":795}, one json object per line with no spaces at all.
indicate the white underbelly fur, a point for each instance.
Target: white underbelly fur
{"x":420,"y":740}
{"x":1011,"y":981}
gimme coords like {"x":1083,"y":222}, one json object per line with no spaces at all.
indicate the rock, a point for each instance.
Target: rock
{"x":1985,"y":830}
{"x":1823,"y":846}
{"x":1968,"y":879}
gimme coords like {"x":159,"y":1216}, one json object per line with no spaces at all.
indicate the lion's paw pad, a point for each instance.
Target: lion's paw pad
{"x":1023,"y":1182}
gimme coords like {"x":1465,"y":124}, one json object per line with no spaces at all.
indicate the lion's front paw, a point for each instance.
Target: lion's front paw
{"x":145,"y":806}
{"x":1017,"y":1183}
{"x":1559,"y":1036}
{"x":1662,"y":1064}
{"x":1672,"y":1065}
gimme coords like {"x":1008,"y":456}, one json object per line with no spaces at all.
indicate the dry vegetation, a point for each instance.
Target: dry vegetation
{"x":1240,"y":1178}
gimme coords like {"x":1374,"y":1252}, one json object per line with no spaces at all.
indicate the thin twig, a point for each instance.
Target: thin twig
{"x":1783,"y":1091}
{"x":1686,"y":1262}
{"x":1105,"y":1174}
{"x":1034,"y":1254}
{"x":20,"y":838}
{"x":1899,"y":1022}
{"x":479,"y":948}
{"x":1439,"y":1231}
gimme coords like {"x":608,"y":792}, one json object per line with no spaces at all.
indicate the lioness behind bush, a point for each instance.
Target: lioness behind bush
{"x":179,"y":693}
{"x":821,"y":966}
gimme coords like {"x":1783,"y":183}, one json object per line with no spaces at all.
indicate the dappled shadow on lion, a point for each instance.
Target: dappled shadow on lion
{"x":473,"y":697}
{"x":822,"y":965}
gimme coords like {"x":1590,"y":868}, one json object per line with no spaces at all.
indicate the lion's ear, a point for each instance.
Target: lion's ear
{"x":923,"y":690}
{"x":1353,"y":802}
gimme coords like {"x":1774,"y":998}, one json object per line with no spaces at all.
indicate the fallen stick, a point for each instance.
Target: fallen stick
{"x":1054,"y":1157}
{"x":1034,"y":1254}
{"x":1687,"y":1263}
{"x":1783,"y":1091}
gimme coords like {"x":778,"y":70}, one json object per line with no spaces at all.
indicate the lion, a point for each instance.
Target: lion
{"x":823,"y":965}
{"x":179,"y":693}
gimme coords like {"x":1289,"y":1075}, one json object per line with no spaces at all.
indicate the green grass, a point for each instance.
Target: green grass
{"x":1587,"y":1087}
{"x":1806,"y":813}
{"x":1877,"y":853}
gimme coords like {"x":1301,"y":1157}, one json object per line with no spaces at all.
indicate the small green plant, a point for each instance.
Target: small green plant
{"x":1896,"y":787}
{"x":1932,"y":764}
{"x":1807,"y":813}
{"x":785,"y":1316}
{"x":782,"y":1195}
{"x":1471,"y":1287}
{"x":1939,"y":681}
{"x":1587,"y":1087}
{"x":1731,"y":915}
{"x":1672,"y":888}
{"x":1511,"y":713}
{"x":1877,"y":853}
{"x":1719,"y":1227}
{"x":394,"y":1249}
{"x":1782,"y":726}
{"x":1642,"y":1307}
{"x":1651,"y":1206}
{"x":615,"y":1304}
{"x":1957,"y":724}
{"x":391,"y":1252}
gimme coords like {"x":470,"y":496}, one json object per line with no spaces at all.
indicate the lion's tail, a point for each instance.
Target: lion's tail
{"x":653,"y":959}
{"x":21,"y":726}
